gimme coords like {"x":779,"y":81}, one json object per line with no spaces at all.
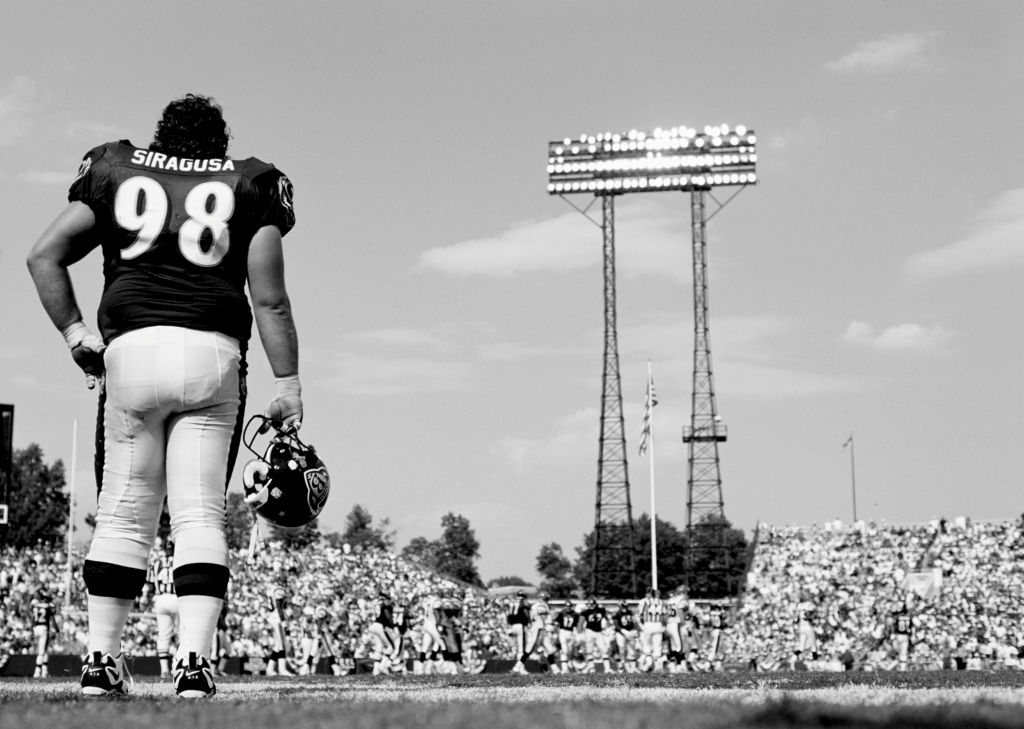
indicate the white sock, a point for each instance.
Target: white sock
{"x":197,"y":618}
{"x":107,"y":616}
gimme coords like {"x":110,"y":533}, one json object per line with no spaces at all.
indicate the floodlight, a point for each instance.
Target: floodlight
{"x":676,"y":158}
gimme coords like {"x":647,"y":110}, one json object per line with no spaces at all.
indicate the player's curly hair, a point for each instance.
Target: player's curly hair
{"x":192,"y":126}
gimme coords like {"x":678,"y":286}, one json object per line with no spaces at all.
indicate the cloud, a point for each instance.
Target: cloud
{"x":93,"y":130}
{"x":651,"y":239}
{"x":47,"y":178}
{"x":894,"y":53}
{"x":376,"y":374}
{"x":573,"y":438}
{"x":18,"y":102}
{"x":394,"y":361}
{"x":899,"y":338}
{"x":997,"y":241}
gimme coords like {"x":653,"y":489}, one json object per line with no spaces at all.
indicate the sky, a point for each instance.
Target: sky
{"x":450,"y":311}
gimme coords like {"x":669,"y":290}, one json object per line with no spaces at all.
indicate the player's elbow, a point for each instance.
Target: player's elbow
{"x":272,"y":309}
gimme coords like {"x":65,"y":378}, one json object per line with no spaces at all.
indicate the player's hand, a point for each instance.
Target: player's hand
{"x":88,"y":355}
{"x":287,"y":410}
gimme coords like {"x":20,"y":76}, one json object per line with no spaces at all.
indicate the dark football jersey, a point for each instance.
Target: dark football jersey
{"x":902,"y":623}
{"x":567,"y":619}
{"x":42,"y":612}
{"x":175,"y":234}
{"x":595,"y":618}
{"x":624,"y":620}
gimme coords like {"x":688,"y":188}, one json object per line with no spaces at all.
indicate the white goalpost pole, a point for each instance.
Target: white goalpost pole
{"x":71,"y":511}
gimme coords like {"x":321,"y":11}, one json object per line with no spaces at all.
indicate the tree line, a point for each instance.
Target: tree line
{"x":710,"y":560}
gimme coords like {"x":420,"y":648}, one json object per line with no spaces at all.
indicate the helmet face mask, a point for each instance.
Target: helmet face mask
{"x":288,"y":484}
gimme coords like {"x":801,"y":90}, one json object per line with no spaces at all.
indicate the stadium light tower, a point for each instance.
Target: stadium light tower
{"x":676,"y":159}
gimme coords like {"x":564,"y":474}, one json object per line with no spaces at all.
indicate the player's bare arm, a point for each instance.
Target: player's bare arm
{"x":65,"y":242}
{"x":272,"y":312}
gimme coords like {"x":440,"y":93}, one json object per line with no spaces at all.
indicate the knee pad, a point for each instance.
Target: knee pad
{"x":201,"y":578}
{"x":103,"y":579}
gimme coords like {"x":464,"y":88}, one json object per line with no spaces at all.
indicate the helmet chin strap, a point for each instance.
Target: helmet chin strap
{"x":254,"y":539}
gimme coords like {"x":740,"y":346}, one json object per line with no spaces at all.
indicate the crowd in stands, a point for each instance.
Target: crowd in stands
{"x":961,"y":582}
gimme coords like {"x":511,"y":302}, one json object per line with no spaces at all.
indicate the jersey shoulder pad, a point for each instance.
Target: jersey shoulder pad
{"x":93,"y":171}
{"x":272,"y":192}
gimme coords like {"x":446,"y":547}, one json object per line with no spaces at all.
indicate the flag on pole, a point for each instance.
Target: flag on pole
{"x":650,"y":400}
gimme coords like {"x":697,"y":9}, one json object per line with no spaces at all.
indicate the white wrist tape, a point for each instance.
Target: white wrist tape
{"x":288,"y":386}
{"x":75,"y":333}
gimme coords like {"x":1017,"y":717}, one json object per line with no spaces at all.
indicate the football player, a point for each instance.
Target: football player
{"x":183,"y":228}
{"x":902,"y":633}
{"x":276,"y":608}
{"x":807,"y":636}
{"x":567,"y":621}
{"x":537,"y":638}
{"x":221,"y":649}
{"x":676,"y":616}
{"x":165,"y":604}
{"x":716,"y":645}
{"x":383,"y":635}
{"x":44,"y":621}
{"x":451,"y":632}
{"x":518,"y":619}
{"x":625,"y":637}
{"x":431,"y":644}
{"x":595,"y":621}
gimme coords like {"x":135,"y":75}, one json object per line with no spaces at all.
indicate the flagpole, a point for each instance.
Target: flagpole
{"x":71,"y":510}
{"x":654,"y":513}
{"x":853,"y":479}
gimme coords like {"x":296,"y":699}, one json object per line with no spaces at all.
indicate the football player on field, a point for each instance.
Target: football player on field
{"x":595,"y":621}
{"x":537,"y":630}
{"x":431,"y":644}
{"x":44,"y":622}
{"x":276,"y":607}
{"x":902,"y":633}
{"x":518,"y":618}
{"x":567,"y":621}
{"x":625,"y":637}
{"x":183,"y":228}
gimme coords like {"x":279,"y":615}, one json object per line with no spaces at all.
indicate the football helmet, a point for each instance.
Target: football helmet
{"x":288,"y":484}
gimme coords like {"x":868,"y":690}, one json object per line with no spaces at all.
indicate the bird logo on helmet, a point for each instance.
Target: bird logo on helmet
{"x":288,"y":484}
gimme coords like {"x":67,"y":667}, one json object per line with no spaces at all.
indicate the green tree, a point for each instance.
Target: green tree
{"x":37,"y":501}
{"x":556,"y":570}
{"x":719,"y":558}
{"x":422,"y":552}
{"x":239,"y":521}
{"x":506,"y":580}
{"x":720,"y":555}
{"x":360,"y":530}
{"x":458,"y":549}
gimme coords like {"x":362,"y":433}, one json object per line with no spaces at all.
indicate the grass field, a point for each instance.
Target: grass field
{"x":698,"y":701}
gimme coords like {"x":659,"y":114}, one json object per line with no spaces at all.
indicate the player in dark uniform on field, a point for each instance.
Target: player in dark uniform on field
{"x":518,"y":618}
{"x":595,"y":621}
{"x":44,"y":624}
{"x":384,"y":635}
{"x":183,"y":228}
{"x":626,"y":634}
{"x":902,"y":634}
{"x":567,"y":623}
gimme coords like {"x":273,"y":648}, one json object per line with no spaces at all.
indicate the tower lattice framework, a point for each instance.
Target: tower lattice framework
{"x":613,"y":560}
{"x":705,"y":515}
